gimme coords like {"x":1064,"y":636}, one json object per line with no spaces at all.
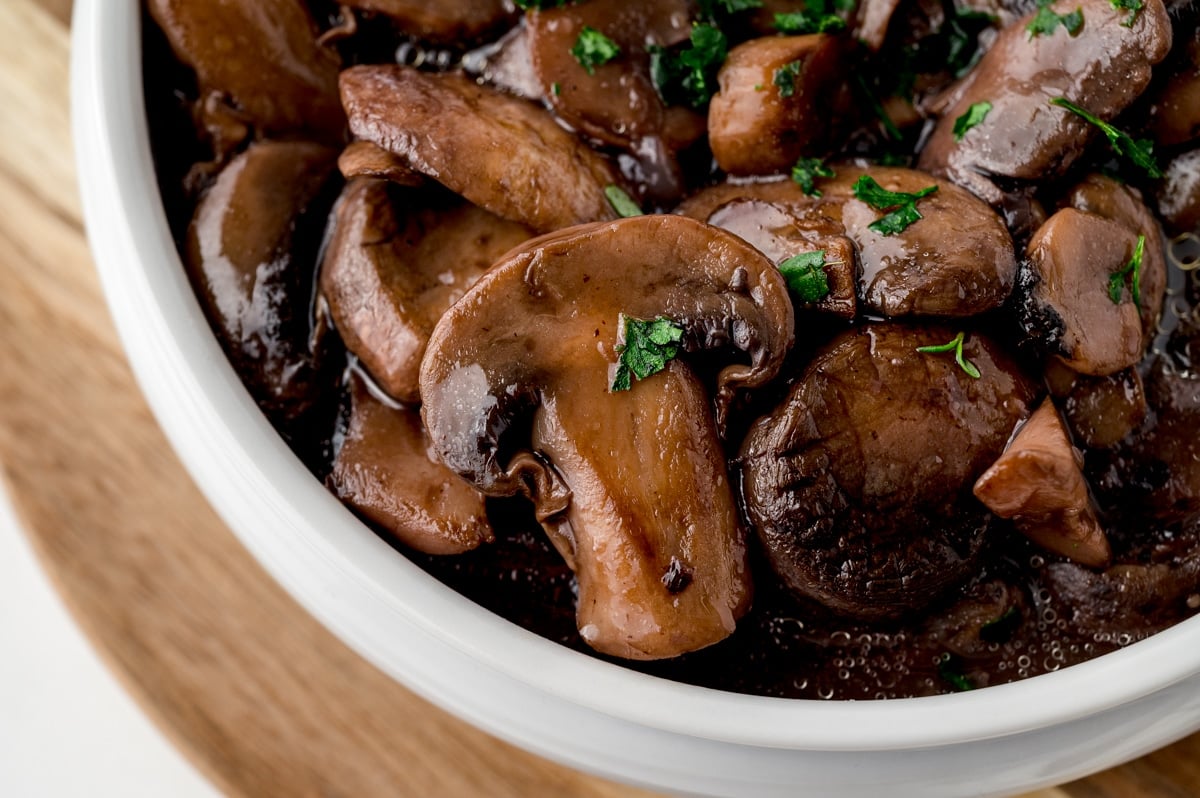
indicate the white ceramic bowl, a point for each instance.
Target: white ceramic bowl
{"x":548,"y":699}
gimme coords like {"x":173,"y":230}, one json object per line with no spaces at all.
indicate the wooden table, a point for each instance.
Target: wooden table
{"x":256,"y":693}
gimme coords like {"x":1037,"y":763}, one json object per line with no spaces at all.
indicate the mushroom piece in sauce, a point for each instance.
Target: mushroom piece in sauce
{"x":631,"y":485}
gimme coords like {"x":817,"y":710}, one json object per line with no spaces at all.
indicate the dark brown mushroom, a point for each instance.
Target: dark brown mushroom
{"x":1039,"y":484}
{"x":396,"y":262}
{"x":1175,"y":102}
{"x":1064,"y":303}
{"x":1103,"y":69}
{"x":441,"y":21}
{"x":262,"y":57}
{"x":1103,"y":411}
{"x":383,"y":469}
{"x":502,"y":153}
{"x":630,"y":485}
{"x":252,"y":260}
{"x":1170,"y":448}
{"x":775,"y":103}
{"x":1179,"y":193}
{"x":615,"y":102}
{"x":956,"y":261}
{"x":1106,"y":197}
{"x":859,"y":483}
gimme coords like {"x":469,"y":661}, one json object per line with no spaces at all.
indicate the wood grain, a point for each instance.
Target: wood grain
{"x":262,"y":698}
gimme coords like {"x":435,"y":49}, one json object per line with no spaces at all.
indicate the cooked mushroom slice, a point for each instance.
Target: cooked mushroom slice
{"x":383,"y":469}
{"x":859,"y":483}
{"x":263,"y":55}
{"x":775,"y":103}
{"x":872,"y":20}
{"x":1103,"y":411}
{"x":1104,"y":68}
{"x":500,"y":152}
{"x":1106,"y":197}
{"x":252,"y":261}
{"x":364,"y":159}
{"x":441,"y":21}
{"x":630,"y":485}
{"x":1039,"y":484}
{"x":955,"y":261}
{"x":396,"y":262}
{"x":615,"y":102}
{"x":1065,"y":305}
{"x":1179,"y":194}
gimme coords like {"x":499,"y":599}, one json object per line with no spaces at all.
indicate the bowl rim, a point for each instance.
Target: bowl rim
{"x":355,"y":584}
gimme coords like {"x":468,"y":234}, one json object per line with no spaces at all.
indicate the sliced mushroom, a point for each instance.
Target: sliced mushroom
{"x":775,"y":103}
{"x":500,"y":152}
{"x":364,"y":159}
{"x":384,"y":470}
{"x":630,"y":485}
{"x":441,"y":21}
{"x":1106,"y":197}
{"x":955,"y":261}
{"x":396,"y":262}
{"x":1103,"y":411}
{"x":859,"y":483}
{"x":252,"y":260}
{"x":615,"y":102}
{"x":264,"y":57}
{"x":1039,"y":484}
{"x":1065,"y":306}
{"x":1103,"y":69}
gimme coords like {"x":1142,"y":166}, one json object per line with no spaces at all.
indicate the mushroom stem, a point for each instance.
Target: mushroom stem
{"x":652,"y":531}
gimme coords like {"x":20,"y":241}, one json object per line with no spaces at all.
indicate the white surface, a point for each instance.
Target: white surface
{"x":66,"y":726}
{"x":519,"y":686}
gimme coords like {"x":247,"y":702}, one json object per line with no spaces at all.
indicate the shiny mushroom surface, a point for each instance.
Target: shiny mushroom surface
{"x":631,"y":485}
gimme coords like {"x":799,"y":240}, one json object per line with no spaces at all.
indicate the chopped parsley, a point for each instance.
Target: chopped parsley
{"x":709,"y":8}
{"x":950,"y":669}
{"x":807,"y":170}
{"x":805,"y":275}
{"x":879,"y":198}
{"x":1133,"y":273}
{"x":648,"y":346}
{"x":1141,"y":152}
{"x":808,"y":21}
{"x":868,"y":95}
{"x":689,"y":76}
{"x":955,"y":346}
{"x":962,"y":45}
{"x":974,"y":115}
{"x":1046,"y":20}
{"x":621,"y":202}
{"x":1132,"y":6}
{"x":526,"y":5}
{"x":593,"y":49}
{"x":785,"y":78}
{"x":555,"y":89}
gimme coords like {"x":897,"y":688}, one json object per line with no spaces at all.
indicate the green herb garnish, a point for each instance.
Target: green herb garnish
{"x":889,"y":127}
{"x":593,"y":49}
{"x":1131,"y":272}
{"x":709,"y":8}
{"x":621,"y":202}
{"x":1132,"y":6}
{"x":807,"y":170}
{"x":905,"y":213}
{"x":648,"y":346}
{"x":1047,"y":19}
{"x":806,"y":277}
{"x":950,"y":669}
{"x":955,"y":346}
{"x":555,"y":89}
{"x":1141,"y":152}
{"x":809,"y":21}
{"x":526,"y":5}
{"x":785,"y":78}
{"x":974,"y":115}
{"x":690,"y":76}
